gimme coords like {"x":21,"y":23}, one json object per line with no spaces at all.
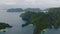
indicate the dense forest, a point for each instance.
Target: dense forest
{"x":15,"y":10}
{"x":21,"y":10}
{"x":32,"y":9}
{"x":42,"y":20}
{"x":4,"y":25}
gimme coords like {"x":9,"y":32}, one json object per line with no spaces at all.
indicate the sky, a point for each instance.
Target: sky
{"x":29,"y":3}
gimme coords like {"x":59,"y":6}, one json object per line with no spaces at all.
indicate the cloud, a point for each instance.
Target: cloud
{"x":31,"y":3}
{"x":7,"y":2}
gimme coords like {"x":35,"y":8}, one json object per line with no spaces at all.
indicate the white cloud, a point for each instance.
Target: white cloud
{"x":31,"y":3}
{"x":10,"y":3}
{"x":7,"y":2}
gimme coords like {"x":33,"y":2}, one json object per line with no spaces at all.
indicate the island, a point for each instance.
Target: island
{"x":4,"y":25}
{"x":15,"y":10}
{"x":42,"y":20}
{"x":33,"y":9}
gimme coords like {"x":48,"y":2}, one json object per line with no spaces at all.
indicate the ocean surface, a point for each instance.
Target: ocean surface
{"x":13,"y":19}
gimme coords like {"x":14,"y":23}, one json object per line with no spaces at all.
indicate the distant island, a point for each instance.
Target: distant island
{"x":42,"y":20}
{"x":33,"y":9}
{"x":15,"y":10}
{"x":26,"y":9}
{"x":4,"y":26}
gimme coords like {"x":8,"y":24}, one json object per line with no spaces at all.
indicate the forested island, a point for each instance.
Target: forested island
{"x":42,"y":20}
{"x":15,"y":10}
{"x":4,"y":25}
{"x":21,"y":10}
{"x":32,"y":9}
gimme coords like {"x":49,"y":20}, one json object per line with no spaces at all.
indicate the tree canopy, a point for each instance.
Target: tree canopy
{"x":43,"y":20}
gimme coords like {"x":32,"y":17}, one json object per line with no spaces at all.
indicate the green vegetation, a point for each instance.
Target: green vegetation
{"x":4,"y":25}
{"x":32,"y":9}
{"x":21,"y":10}
{"x":41,"y":20}
{"x":15,"y":10}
